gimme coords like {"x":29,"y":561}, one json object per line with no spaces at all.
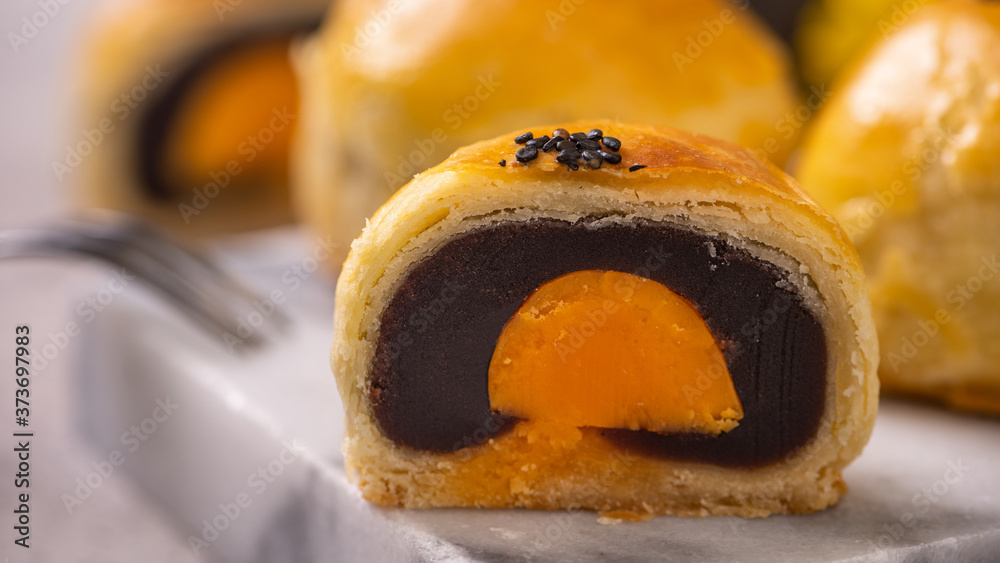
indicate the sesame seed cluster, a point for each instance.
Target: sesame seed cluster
{"x":592,"y":149}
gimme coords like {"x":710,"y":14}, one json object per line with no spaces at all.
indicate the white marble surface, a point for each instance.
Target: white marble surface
{"x":926,"y":489}
{"x":118,"y":523}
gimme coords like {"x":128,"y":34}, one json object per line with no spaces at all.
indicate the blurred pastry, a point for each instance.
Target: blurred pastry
{"x":392,"y":88}
{"x":832,"y":33}
{"x":189,"y":106}
{"x":662,"y":324}
{"x":905,"y":155}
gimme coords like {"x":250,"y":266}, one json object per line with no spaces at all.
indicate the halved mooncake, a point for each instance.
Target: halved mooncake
{"x":624,"y":318}
{"x":188,"y":108}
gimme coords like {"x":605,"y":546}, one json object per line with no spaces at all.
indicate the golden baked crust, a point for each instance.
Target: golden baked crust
{"x":690,"y":179}
{"x":140,"y":47}
{"x":389,"y":93}
{"x":906,"y":157}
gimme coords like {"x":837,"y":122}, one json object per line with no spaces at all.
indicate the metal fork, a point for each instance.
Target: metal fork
{"x":208,"y":295}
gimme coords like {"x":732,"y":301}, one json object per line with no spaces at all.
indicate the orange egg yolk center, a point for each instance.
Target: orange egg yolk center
{"x":612,"y":350}
{"x":241,"y":110}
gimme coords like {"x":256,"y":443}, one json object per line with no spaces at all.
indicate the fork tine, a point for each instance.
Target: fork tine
{"x":203,"y":281}
{"x":61,"y":242}
{"x":204,"y":292}
{"x":166,"y":251}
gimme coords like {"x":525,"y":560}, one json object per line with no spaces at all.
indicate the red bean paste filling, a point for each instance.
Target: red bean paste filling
{"x":428,"y":387}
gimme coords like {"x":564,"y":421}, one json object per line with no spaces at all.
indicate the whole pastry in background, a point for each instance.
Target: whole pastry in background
{"x":906,"y":156}
{"x":647,"y":322}
{"x":188,"y":108}
{"x":391,"y":88}
{"x":832,"y":33}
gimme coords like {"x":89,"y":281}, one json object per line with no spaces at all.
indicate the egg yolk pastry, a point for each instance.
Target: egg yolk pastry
{"x":905,"y":156}
{"x":188,"y":109}
{"x":630,"y":319}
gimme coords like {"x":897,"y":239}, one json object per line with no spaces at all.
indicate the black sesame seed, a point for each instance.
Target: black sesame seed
{"x":568,"y":155}
{"x":503,"y":162}
{"x":635,"y":167}
{"x":595,"y":134}
{"x":561,"y":133}
{"x":572,"y":165}
{"x":611,"y":157}
{"x":565,"y":145}
{"x":538,"y":142}
{"x":612,"y":143}
{"x":593,"y":159}
{"x":588,"y":145}
{"x":551,"y":144}
{"x":524,"y":138}
{"x":577,"y":137}
{"x":527,"y":154}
